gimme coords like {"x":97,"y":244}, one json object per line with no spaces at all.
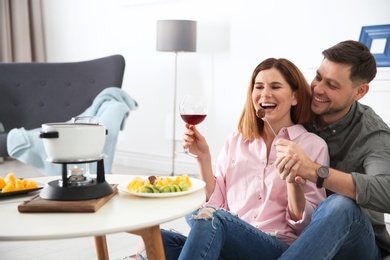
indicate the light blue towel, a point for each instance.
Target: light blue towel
{"x":112,"y":106}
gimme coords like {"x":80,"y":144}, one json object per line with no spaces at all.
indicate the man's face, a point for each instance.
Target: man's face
{"x":333,"y":92}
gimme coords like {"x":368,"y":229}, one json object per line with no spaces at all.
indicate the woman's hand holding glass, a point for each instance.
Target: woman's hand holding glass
{"x":193,"y":110}
{"x":195,"y":142}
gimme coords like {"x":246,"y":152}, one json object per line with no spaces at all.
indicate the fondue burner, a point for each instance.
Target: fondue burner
{"x":76,"y":185}
{"x":77,"y":178}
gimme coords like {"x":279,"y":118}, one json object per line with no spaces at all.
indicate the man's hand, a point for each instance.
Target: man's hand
{"x":291,"y":161}
{"x":288,"y":168}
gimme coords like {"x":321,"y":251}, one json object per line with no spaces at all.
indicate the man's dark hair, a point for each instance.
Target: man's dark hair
{"x":358,"y":56}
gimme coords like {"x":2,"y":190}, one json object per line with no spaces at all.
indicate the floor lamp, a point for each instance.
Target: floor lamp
{"x":176,"y":36}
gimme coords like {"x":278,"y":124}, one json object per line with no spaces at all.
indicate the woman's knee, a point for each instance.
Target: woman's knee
{"x":210,"y":215}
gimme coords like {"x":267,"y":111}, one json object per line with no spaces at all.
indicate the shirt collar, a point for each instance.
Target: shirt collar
{"x":290,"y":132}
{"x":340,"y":124}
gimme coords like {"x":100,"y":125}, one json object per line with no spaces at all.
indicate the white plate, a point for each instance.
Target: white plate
{"x":196,"y":185}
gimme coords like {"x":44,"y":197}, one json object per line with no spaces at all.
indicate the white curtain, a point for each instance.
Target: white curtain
{"x":21,"y":31}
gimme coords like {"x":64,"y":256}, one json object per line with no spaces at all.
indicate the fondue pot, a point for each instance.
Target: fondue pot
{"x":81,"y":139}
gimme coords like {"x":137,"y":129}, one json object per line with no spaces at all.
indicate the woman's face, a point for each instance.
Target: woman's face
{"x":272,"y":92}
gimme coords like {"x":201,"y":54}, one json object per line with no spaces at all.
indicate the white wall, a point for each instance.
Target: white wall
{"x":233,"y":37}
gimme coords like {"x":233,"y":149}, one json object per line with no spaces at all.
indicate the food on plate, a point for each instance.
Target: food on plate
{"x":158,"y":184}
{"x":11,"y":183}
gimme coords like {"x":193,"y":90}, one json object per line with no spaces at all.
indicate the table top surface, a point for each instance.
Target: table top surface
{"x":123,"y":212}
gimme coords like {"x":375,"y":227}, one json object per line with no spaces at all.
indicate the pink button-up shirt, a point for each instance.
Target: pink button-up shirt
{"x":248,"y":184}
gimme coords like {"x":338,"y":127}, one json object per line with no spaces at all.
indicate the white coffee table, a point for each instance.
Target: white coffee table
{"x":122,"y":213}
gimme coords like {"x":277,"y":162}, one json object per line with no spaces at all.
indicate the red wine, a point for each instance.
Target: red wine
{"x":193,"y":119}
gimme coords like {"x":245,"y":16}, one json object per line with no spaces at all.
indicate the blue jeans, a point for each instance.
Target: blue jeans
{"x":189,"y":218}
{"x":338,"y":230}
{"x":222,"y":236}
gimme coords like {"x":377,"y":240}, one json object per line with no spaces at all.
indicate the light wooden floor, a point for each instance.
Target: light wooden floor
{"x":120,"y":246}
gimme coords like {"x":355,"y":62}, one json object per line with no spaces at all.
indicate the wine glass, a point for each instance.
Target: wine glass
{"x":193,"y":110}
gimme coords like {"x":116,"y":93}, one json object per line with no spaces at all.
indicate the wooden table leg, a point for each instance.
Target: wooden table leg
{"x":153,"y":242}
{"x":101,"y":247}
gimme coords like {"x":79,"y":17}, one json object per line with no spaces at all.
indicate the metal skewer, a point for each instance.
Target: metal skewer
{"x":260,"y":113}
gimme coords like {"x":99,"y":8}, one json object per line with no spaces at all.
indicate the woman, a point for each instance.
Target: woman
{"x":251,"y":212}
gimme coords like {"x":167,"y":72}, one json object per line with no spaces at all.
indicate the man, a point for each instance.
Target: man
{"x":349,"y":224}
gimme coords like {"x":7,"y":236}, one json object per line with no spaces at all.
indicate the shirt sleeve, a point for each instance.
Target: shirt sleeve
{"x":217,"y":199}
{"x":373,"y":187}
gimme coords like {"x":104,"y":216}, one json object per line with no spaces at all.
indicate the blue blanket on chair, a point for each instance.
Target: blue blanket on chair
{"x":112,"y":106}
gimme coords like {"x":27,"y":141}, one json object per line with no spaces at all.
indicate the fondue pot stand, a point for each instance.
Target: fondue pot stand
{"x":78,"y":186}
{"x":79,"y":142}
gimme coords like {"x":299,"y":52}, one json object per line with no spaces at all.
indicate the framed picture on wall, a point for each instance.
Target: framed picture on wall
{"x":377,"y":39}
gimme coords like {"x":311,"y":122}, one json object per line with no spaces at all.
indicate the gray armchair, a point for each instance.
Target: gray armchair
{"x":32,"y":94}
{"x":35,"y":93}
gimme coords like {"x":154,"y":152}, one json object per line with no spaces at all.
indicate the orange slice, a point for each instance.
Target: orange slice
{"x":31,"y":185}
{"x":2,"y":183}
{"x":10,"y":177}
{"x":19,"y":185}
{"x":9,"y":187}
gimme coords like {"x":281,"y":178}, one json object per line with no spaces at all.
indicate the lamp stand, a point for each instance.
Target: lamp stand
{"x":174,"y":118}
{"x":175,"y":36}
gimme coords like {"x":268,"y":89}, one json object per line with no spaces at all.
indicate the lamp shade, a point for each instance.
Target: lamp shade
{"x":176,"y":35}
